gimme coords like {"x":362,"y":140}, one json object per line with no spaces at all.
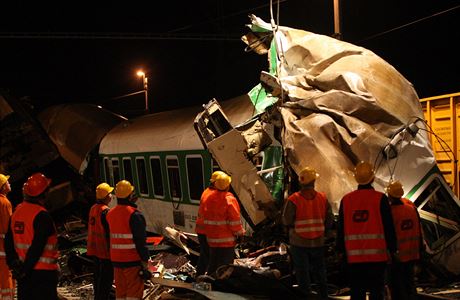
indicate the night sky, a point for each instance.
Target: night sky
{"x":69,"y":51}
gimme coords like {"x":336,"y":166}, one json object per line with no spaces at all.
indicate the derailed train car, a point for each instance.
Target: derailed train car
{"x":324,"y":103}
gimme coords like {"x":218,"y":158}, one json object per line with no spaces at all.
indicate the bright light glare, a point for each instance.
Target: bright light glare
{"x":140,"y":73}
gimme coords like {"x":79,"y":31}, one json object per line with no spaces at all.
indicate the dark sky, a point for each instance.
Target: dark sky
{"x":72,"y":51}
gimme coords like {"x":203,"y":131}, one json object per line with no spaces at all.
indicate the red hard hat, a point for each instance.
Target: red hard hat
{"x":36,"y":184}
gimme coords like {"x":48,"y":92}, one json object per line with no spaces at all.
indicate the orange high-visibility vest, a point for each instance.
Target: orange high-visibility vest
{"x":199,"y":225}
{"x":310,"y":215}
{"x":408,"y":231}
{"x":221,"y":217}
{"x":97,"y":244}
{"x":122,"y":247}
{"x":22,"y":224}
{"x":363,"y":228}
{"x":5,"y":214}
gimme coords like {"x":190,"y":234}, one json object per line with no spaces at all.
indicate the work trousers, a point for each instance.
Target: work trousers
{"x":38,"y":285}
{"x":218,"y":257}
{"x":308,"y":262}
{"x":6,"y":281}
{"x":103,"y":278}
{"x":129,"y":285}
{"x":402,"y":283}
{"x":203,"y":260}
{"x":365,"y":277}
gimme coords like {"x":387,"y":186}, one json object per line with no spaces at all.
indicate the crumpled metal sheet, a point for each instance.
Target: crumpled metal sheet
{"x":343,"y":104}
{"x":76,"y":129}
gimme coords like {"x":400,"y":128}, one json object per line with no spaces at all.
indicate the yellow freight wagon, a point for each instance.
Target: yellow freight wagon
{"x":442,"y":114}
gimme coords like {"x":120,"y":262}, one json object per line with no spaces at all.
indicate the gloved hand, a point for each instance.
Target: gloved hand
{"x":145,"y":274}
{"x":17,"y":269}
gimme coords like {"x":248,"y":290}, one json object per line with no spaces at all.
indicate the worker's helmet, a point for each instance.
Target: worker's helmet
{"x":102,"y":190}
{"x":123,"y":189}
{"x":395,"y":189}
{"x":36,"y":185}
{"x":3,"y":179}
{"x":364,"y":173}
{"x":307,"y":175}
{"x":214,"y":176}
{"x":222,"y":181}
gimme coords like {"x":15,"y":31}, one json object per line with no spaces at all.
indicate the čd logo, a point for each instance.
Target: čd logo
{"x":360,"y":216}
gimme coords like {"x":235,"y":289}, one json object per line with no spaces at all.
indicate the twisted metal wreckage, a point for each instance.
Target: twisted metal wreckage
{"x":324,"y":103}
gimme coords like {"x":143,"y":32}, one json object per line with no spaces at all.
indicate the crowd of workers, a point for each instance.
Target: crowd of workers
{"x":377,"y":235}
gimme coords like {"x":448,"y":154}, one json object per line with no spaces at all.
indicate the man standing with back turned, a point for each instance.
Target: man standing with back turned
{"x":6,"y":279}
{"x":128,"y":250}
{"x":98,"y":242}
{"x":308,"y":215}
{"x":365,"y":234}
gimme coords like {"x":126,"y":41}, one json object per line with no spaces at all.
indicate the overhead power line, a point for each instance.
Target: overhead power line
{"x":118,"y":36}
{"x":409,"y":24}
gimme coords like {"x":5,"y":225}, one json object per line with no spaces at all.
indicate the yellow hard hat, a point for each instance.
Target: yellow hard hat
{"x":395,"y":189}
{"x":102,"y":190}
{"x":214,"y":176}
{"x":3,"y":179}
{"x":307,"y":175}
{"x":222,"y":181}
{"x":123,"y":189}
{"x":364,"y":173}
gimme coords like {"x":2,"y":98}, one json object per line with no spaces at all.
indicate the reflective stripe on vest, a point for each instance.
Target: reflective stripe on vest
{"x":310,"y":214}
{"x":408,"y":232}
{"x":23,"y":234}
{"x":200,"y":228}
{"x":221,"y":218}
{"x":363,"y":228}
{"x":122,"y":246}
{"x":97,"y":244}
{"x":2,"y":254}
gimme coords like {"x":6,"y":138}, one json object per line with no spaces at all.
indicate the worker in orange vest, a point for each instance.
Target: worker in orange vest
{"x":410,"y":243}
{"x":203,"y":260}
{"x":308,"y":215}
{"x":366,"y":235}
{"x":33,"y":259}
{"x":6,"y":279}
{"x":98,"y":246}
{"x":221,"y":217}
{"x":128,"y":250}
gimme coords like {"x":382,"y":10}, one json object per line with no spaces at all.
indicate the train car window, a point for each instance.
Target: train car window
{"x":142,"y":176}
{"x":172,"y":165}
{"x":115,"y":170}
{"x":108,"y":176}
{"x":195,"y":177}
{"x":127,"y":169}
{"x":438,"y":213}
{"x":157,"y":178}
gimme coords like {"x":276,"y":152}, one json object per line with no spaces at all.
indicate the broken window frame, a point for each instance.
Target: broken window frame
{"x":440,"y":226}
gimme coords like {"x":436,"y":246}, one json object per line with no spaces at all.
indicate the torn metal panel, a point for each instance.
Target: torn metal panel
{"x":76,"y":129}
{"x":24,"y":146}
{"x":230,"y":149}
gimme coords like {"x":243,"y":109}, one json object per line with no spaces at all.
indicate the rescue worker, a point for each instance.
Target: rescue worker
{"x":366,"y":235}
{"x":203,"y":260}
{"x":128,"y":250}
{"x":6,"y":279}
{"x":33,"y":259}
{"x":221,"y":217}
{"x":308,"y":215}
{"x":410,"y":244}
{"x":98,"y":242}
